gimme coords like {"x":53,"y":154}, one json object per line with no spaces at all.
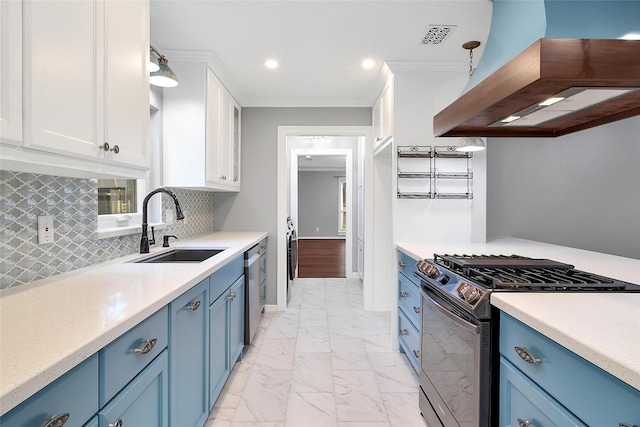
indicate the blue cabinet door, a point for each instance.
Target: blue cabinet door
{"x":188,"y":347}
{"x":75,"y":394}
{"x":219,"y":366}
{"x":236,"y":320}
{"x":143,"y":402}
{"x":523,"y":403}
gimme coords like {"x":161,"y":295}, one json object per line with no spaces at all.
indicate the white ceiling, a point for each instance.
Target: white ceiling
{"x":319,"y":44}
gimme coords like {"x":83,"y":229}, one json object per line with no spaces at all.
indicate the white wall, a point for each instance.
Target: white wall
{"x":418,"y":96}
{"x":318,"y":203}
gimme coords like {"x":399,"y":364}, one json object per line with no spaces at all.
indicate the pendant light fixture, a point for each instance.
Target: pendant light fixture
{"x":153,"y":60}
{"x":164,"y":76}
{"x":471,"y":143}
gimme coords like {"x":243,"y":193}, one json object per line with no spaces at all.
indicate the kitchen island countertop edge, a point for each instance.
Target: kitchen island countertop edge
{"x":603,"y":328}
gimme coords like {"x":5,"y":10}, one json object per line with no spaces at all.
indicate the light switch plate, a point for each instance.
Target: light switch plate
{"x":45,"y":229}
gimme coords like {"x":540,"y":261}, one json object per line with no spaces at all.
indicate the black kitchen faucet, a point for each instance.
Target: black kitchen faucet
{"x":144,"y":241}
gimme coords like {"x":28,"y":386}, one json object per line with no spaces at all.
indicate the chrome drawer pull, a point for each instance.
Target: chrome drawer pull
{"x":404,"y":332}
{"x":401,"y":264}
{"x":627,"y":425}
{"x":523,"y":423}
{"x":526,"y":355}
{"x":416,"y":309}
{"x":147,"y":347}
{"x":116,"y":424}
{"x":403,"y":294}
{"x":194,"y":306}
{"x":57,"y":420}
{"x":416,"y":354}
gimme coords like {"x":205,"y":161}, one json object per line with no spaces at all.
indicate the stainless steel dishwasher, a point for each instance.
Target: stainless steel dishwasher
{"x":253,"y":299}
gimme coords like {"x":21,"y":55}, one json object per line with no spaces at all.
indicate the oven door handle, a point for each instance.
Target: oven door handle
{"x":469,"y":326}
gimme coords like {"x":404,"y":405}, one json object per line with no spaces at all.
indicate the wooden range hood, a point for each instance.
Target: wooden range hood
{"x":545,"y":69}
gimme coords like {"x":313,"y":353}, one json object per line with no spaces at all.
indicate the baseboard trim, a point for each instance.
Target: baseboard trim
{"x":269,"y":308}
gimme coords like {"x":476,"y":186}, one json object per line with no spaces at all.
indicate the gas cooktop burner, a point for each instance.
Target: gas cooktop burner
{"x":514,"y":272}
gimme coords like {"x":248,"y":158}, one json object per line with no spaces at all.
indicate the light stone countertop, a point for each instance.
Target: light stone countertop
{"x":603,"y":328}
{"x":49,"y":326}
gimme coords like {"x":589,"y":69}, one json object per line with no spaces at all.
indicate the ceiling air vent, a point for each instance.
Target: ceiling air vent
{"x":435,"y":34}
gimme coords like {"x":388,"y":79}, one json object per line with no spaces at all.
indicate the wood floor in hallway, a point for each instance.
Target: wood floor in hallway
{"x":321,"y":258}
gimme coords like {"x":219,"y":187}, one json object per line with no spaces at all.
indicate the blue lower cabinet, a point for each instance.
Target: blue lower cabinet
{"x":594,"y":396}
{"x":523,"y":403}
{"x":74,"y":397}
{"x":188,"y":350}
{"x":409,"y":307}
{"x":219,"y":366}
{"x":127,"y":355}
{"x":236,"y":320}
{"x":409,"y":340}
{"x":144,"y":401}
{"x":226,"y":336}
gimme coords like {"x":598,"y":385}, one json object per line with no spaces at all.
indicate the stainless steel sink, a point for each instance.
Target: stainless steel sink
{"x":182,"y":255}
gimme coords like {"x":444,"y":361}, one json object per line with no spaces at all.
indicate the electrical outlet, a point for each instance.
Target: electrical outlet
{"x":317,"y":228}
{"x":45,"y":230}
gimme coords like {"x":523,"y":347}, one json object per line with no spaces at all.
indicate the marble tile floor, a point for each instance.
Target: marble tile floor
{"x":323,"y":362}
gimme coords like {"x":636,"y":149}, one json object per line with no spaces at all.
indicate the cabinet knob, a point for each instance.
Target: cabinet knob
{"x":57,"y":420}
{"x":194,"y":306}
{"x":147,"y":347}
{"x":116,"y":424}
{"x":115,"y":149}
{"x":523,"y":423}
{"x":526,"y":355}
{"x":403,"y":294}
{"x":105,"y":146}
{"x":401,"y":264}
{"x":232,"y":296}
{"x":416,"y":353}
{"x":403,"y":332}
{"x":416,"y":309}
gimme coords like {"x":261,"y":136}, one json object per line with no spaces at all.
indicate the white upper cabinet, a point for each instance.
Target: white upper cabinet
{"x":201,"y":131}
{"x":126,"y":97}
{"x":86,"y":84}
{"x":11,"y":72}
{"x":382,"y":119}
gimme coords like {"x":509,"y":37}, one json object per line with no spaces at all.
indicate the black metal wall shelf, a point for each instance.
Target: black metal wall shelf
{"x":419,"y":163}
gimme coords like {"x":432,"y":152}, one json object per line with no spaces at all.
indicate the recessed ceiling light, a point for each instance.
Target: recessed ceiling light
{"x":367,"y":64}
{"x":271,"y":64}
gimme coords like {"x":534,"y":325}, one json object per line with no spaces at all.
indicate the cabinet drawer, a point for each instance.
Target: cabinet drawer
{"x":223,"y":278}
{"x":144,"y":402}
{"x":119,"y":361}
{"x":579,"y":385}
{"x":522,"y":399}
{"x":407,"y":265}
{"x":75,"y":393}
{"x":409,"y":299}
{"x":409,"y":339}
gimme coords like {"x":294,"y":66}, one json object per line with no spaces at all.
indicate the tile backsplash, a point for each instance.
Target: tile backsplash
{"x":73,"y":202}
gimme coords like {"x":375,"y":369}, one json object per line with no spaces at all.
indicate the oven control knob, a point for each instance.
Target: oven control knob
{"x":432,"y":271}
{"x":469,"y":293}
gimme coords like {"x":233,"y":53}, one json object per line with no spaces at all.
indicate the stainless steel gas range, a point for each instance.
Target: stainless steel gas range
{"x":458,"y":373}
